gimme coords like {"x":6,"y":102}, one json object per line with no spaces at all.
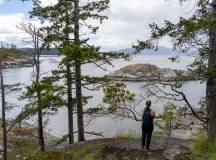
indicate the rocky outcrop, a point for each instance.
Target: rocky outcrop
{"x":18,"y":63}
{"x":162,"y":148}
{"x":148,"y":72}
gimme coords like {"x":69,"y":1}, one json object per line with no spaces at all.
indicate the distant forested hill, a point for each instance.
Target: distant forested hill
{"x":160,"y":51}
{"x":51,"y":51}
{"x":14,"y":53}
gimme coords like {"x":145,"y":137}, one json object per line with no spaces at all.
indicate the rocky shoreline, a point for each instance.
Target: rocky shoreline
{"x":18,"y":63}
{"x":150,"y":79}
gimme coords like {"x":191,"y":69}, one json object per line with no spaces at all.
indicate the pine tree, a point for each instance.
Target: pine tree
{"x":66,"y":18}
{"x":61,"y":16}
{"x":35,"y":38}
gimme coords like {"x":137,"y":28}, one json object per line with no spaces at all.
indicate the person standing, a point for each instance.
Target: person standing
{"x":147,"y":125}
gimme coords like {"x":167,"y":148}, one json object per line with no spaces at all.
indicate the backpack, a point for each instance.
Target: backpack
{"x":146,"y":118}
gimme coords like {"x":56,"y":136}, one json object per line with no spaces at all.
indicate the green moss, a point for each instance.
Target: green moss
{"x":76,"y":153}
{"x":158,"y":133}
{"x":125,"y":136}
{"x":91,"y":156}
{"x":87,"y":152}
{"x":203,"y":149}
{"x":111,"y":157}
{"x":52,"y":156}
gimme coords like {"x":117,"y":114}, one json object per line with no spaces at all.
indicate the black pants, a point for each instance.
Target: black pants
{"x":146,"y":137}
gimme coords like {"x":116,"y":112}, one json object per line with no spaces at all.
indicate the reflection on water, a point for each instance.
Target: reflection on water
{"x":109,"y":126}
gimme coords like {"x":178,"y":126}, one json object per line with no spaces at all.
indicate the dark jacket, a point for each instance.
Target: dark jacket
{"x":150,"y":124}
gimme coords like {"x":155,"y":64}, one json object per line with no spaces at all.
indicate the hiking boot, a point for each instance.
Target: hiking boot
{"x":150,"y":153}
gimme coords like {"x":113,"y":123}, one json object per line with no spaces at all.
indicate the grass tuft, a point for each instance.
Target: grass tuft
{"x":204,"y":149}
{"x":123,"y":136}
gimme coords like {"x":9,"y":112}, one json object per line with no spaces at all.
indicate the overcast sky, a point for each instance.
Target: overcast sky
{"x":128,"y":20}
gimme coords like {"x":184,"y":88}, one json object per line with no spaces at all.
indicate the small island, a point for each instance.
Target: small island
{"x":149,"y":72}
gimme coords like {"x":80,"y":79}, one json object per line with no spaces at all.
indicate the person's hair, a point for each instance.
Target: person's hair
{"x":148,"y":104}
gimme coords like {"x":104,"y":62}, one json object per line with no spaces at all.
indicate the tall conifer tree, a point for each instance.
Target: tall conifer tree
{"x":67,"y":18}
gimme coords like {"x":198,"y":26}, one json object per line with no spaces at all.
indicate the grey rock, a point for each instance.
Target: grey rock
{"x":170,"y":154}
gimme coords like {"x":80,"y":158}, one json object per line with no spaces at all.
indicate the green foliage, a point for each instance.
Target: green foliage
{"x":199,"y":66}
{"x":203,"y":149}
{"x":50,"y":101}
{"x":166,"y":119}
{"x":116,"y":96}
{"x":62,"y":18}
{"x":58,"y":31}
{"x":119,"y":102}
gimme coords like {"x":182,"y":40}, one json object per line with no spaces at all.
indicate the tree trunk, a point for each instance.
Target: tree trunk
{"x":40,"y":112}
{"x":79,"y":103}
{"x":78,"y":76}
{"x":211,"y":85}
{"x":70,"y":105}
{"x":40,"y":131}
{"x":3,"y":114}
{"x":69,"y":88}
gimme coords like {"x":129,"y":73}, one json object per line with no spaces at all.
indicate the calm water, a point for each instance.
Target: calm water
{"x":108,"y":126}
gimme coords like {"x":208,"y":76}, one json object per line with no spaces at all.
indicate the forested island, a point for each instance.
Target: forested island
{"x":148,"y":72}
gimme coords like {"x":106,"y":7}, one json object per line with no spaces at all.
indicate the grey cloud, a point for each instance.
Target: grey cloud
{"x":128,"y":21}
{"x":127,"y":24}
